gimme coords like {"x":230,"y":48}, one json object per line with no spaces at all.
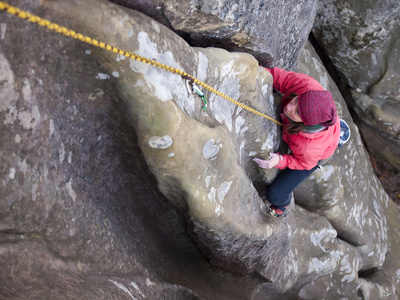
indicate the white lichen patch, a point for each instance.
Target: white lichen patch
{"x":202,"y":66}
{"x":349,"y":269}
{"x":75,"y":110}
{"x":212,"y":197}
{"x":11,"y":173}
{"x":27,"y":91}
{"x":324,"y":235}
{"x":265,"y":88}
{"x":238,"y":124}
{"x":102,"y":76}
{"x":61,"y":153}
{"x":241,"y":149}
{"x":3,"y":28}
{"x":34,"y":191}
{"x":163,"y":142}
{"x":17,"y":138}
{"x":209,"y":149}
{"x":218,"y":209}
{"x":123,"y":288}
{"x":149,"y":282}
{"x":230,"y":85}
{"x":51,"y":127}
{"x":162,"y":85}
{"x":217,"y":196}
{"x":223,"y":190}
{"x":120,"y":57}
{"x":208,"y":180}
{"x":70,"y":190}
{"x":223,"y":110}
{"x":211,"y":194}
{"x":135,"y":286}
{"x":72,"y":232}
{"x":326,"y":172}
{"x":156,"y":26}
{"x":292,"y":267}
{"x":8,"y":96}
{"x":97,"y":93}
{"x":29,"y":120}
{"x":22,"y":165}
{"x":320,"y":266}
{"x":231,"y":69}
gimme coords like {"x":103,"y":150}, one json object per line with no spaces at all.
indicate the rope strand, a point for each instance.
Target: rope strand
{"x":86,"y":39}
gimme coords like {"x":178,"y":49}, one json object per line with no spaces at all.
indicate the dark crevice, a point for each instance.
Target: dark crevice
{"x":13,"y":236}
{"x":382,"y":169}
{"x":333,"y":73}
{"x":336,"y":76}
{"x":367,"y":273}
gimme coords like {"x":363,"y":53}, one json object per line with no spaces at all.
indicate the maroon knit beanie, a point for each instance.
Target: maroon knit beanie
{"x":317,"y":107}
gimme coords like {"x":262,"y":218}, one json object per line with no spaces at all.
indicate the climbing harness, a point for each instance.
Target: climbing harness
{"x":70,"y":33}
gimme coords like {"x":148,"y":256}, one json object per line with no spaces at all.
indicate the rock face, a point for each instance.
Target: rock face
{"x":116,"y":184}
{"x":238,"y":25}
{"x":361,"y":39}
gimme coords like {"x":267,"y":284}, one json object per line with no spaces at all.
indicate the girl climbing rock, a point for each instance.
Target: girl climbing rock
{"x":311,"y":128}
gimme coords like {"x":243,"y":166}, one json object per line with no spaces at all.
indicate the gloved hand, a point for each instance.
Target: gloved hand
{"x":268,"y":164}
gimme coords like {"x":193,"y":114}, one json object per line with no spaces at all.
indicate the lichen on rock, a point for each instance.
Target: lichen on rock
{"x":125,"y":187}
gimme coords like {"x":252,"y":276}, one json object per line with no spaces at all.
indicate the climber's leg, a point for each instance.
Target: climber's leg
{"x":279,"y":192}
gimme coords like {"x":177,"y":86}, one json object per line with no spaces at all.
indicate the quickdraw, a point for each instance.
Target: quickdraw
{"x":192,"y":87}
{"x":70,"y":33}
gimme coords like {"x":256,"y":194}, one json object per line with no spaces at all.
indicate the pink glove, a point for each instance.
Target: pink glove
{"x":268,"y":164}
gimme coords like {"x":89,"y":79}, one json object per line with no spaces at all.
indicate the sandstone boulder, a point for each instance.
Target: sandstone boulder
{"x":361,"y":40}
{"x":116,"y":184}
{"x":238,"y":25}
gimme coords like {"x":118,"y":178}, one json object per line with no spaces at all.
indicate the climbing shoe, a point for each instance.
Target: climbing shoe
{"x":272,"y":210}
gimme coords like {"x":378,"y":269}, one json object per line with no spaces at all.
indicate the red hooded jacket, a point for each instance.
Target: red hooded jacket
{"x":307,"y":148}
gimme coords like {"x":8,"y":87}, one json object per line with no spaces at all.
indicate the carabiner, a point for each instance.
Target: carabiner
{"x":204,"y":102}
{"x":197,"y":90}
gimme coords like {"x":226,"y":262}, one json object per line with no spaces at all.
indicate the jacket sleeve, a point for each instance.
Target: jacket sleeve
{"x":305,"y":154}
{"x":297,"y":162}
{"x":293,"y":82}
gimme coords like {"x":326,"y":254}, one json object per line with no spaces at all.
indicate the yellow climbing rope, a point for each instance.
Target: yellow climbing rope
{"x":67,"y":32}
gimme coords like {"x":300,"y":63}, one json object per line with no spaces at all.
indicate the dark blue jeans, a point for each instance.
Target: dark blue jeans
{"x":280,"y":191}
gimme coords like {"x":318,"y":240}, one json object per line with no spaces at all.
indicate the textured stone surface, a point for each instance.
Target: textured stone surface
{"x":115,"y":183}
{"x":347,"y":194}
{"x":361,"y":39}
{"x":238,"y":25}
